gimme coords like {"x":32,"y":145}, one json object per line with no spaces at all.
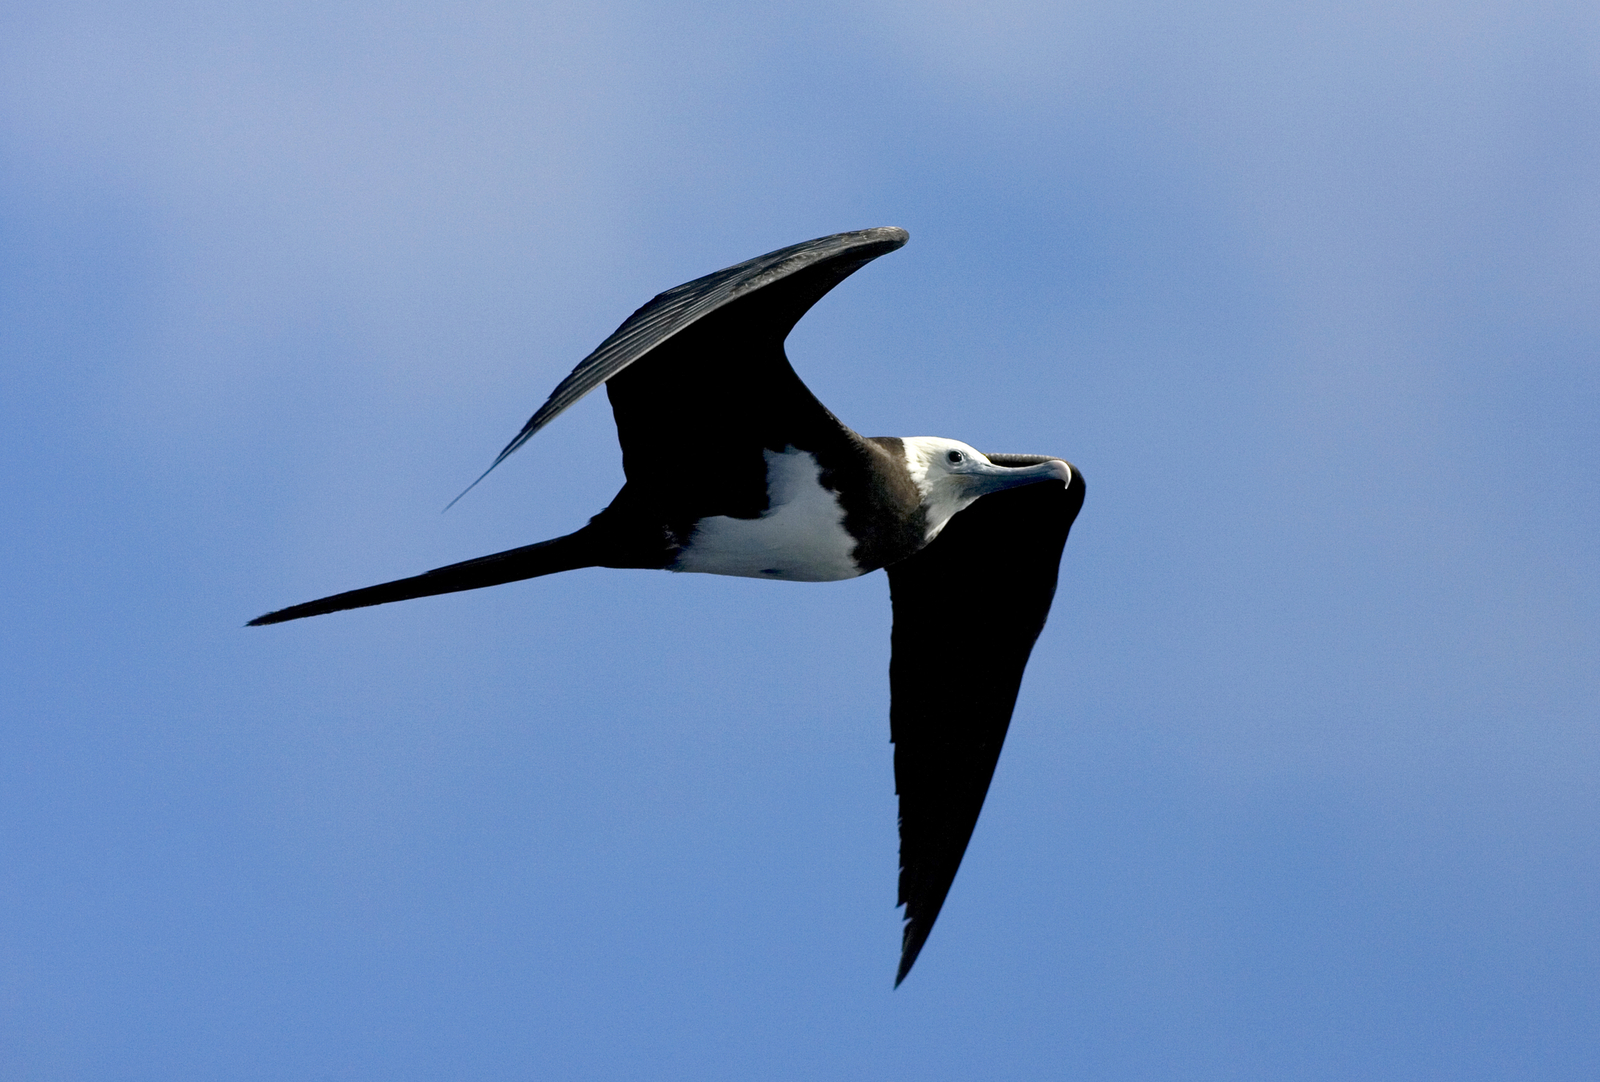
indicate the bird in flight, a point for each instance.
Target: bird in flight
{"x":734,"y":468}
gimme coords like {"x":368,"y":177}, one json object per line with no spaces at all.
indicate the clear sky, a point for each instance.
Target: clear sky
{"x":1304,"y":780}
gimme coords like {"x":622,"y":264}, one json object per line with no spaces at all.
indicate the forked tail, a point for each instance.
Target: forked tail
{"x":567,"y":553}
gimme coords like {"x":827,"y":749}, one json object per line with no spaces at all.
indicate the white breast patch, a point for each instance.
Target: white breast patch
{"x":801,"y":537}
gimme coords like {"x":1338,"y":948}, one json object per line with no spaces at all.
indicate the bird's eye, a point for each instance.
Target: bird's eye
{"x":954,"y":457}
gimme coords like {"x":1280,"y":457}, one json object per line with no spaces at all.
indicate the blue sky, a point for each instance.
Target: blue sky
{"x":1302,"y":783}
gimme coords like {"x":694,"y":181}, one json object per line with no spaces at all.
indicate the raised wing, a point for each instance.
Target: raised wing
{"x":967,"y":610}
{"x":775,"y":290}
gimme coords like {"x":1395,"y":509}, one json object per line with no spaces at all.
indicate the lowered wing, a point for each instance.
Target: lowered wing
{"x":967,"y":610}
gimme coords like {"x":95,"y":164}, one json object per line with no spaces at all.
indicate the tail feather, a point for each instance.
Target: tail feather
{"x":567,"y":553}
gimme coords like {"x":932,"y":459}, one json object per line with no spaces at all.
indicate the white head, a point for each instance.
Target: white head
{"x":951,"y":476}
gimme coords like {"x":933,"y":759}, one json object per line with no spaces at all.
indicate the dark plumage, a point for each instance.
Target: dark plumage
{"x":733,"y":467}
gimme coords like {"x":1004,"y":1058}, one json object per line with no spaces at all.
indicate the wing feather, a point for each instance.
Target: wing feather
{"x":831,"y":259}
{"x":967,"y":611}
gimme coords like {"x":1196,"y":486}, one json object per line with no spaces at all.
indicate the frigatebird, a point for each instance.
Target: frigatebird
{"x":733,"y":467}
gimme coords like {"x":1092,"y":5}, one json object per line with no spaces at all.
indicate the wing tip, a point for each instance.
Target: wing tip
{"x":891,"y":233}
{"x":880,"y":240}
{"x":915,"y":935}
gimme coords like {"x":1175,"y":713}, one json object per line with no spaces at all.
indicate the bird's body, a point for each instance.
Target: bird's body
{"x":800,"y":537}
{"x":734,"y":468}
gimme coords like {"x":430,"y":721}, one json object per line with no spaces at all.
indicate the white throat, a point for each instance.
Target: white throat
{"x":943,"y":496}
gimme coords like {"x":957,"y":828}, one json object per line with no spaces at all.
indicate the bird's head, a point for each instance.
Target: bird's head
{"x":951,"y":475}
